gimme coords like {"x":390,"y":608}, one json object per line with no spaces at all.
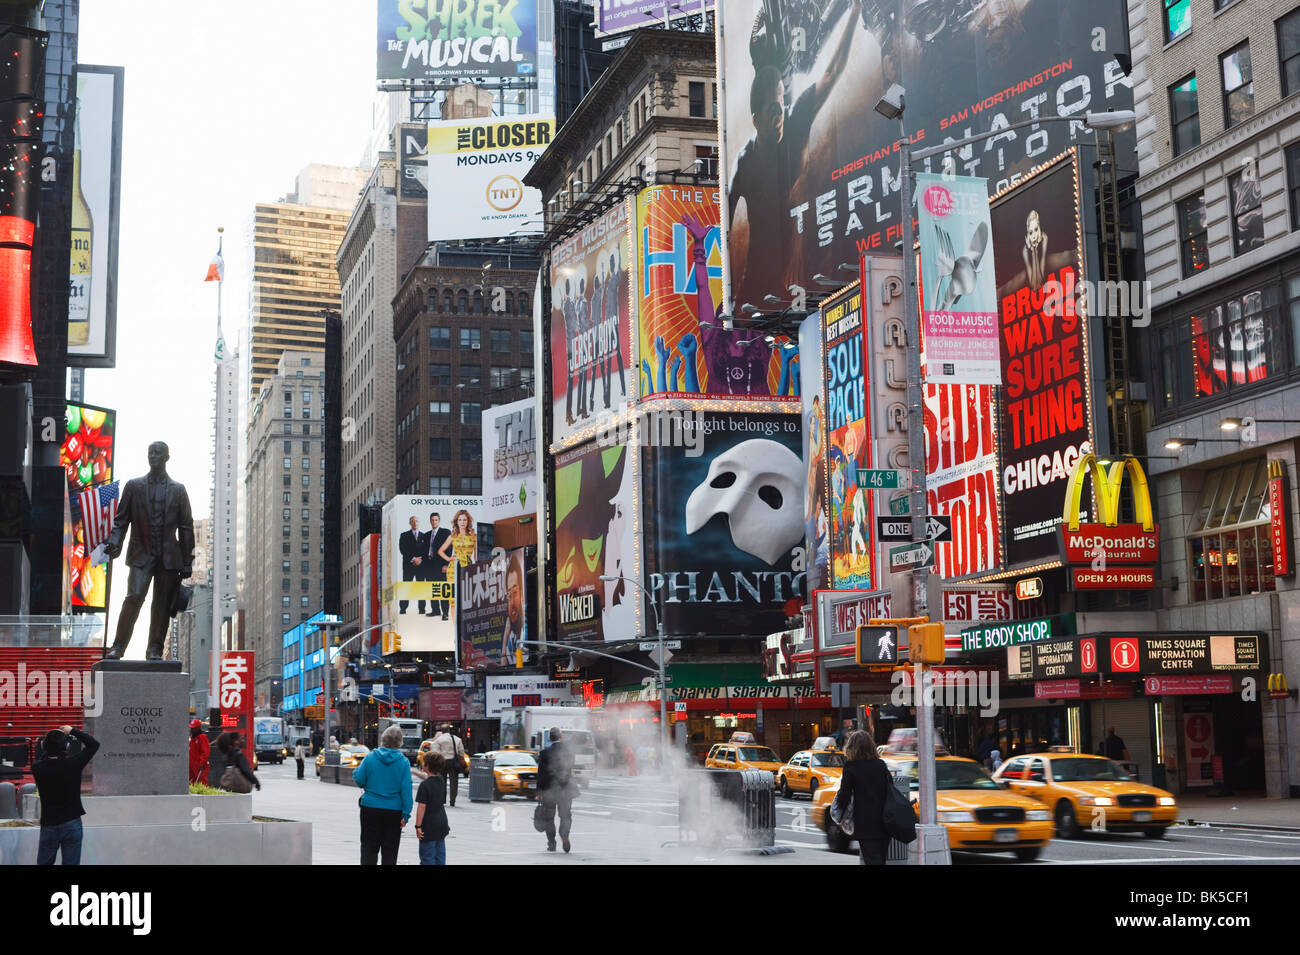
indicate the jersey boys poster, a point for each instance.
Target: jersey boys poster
{"x":592,"y":356}
{"x":594,"y":537}
{"x":813,"y":171}
{"x":724,"y":525}
{"x":1046,"y":421}
{"x":848,"y":443}
{"x":679,"y":270}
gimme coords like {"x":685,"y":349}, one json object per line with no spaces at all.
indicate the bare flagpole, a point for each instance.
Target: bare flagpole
{"x":218,"y":536}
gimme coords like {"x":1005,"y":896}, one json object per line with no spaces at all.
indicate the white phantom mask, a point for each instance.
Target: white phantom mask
{"x":758,"y":484}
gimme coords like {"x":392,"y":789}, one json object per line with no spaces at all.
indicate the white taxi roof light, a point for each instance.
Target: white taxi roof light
{"x":1060,"y":749}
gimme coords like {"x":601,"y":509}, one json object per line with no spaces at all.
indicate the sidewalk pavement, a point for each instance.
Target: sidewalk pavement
{"x":1243,"y":811}
{"x":501,"y":833}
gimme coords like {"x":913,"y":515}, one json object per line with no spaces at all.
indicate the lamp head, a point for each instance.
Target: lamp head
{"x":892,"y":104}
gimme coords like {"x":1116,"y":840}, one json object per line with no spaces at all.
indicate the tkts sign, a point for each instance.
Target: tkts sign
{"x":1091,"y":549}
{"x":235,"y":692}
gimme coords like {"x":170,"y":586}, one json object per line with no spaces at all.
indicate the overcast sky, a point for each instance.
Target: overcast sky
{"x":224,"y":104}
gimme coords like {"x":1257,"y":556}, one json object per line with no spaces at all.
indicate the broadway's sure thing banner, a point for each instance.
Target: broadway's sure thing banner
{"x":812,"y":170}
{"x":592,"y":353}
{"x":1046,"y":421}
{"x":816,"y":521}
{"x":594,"y":497}
{"x":452,"y":39}
{"x":493,"y":611}
{"x":481,"y":165}
{"x":724,"y":527}
{"x":848,"y":443}
{"x":96,"y":183}
{"x":425,"y":539}
{"x":959,"y":329}
{"x":684,"y":347}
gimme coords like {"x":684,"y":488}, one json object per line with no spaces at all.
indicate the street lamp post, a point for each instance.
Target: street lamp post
{"x":663,"y":682}
{"x":328,"y":628}
{"x":893,"y":106}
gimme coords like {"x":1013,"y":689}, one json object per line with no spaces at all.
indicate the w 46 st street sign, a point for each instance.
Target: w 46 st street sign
{"x":882,"y":479}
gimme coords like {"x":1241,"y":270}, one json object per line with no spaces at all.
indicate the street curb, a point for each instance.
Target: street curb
{"x":1238,"y":825}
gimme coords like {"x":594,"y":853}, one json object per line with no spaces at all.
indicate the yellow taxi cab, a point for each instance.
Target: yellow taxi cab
{"x":980,"y":815}
{"x":1083,"y":790}
{"x":515,"y":770}
{"x":743,"y":756}
{"x":350,"y":755}
{"x":808,"y":770}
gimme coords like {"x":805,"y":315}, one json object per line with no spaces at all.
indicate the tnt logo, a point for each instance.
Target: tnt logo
{"x":1123,"y":655}
{"x":504,"y":193}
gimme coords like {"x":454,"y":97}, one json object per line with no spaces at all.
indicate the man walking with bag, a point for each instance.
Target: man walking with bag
{"x":555,"y":788}
{"x":452,"y":749}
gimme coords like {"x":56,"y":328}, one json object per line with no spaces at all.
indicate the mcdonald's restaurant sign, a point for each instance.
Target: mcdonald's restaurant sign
{"x":1105,"y":554}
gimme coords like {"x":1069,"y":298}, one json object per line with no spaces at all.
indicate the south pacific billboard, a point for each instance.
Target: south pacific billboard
{"x":593,"y":354}
{"x":1046,"y":419}
{"x":684,"y":346}
{"x":456,"y":39}
{"x":594,"y":537}
{"x":845,"y":397}
{"x":425,"y":539}
{"x":724,"y":524}
{"x":821,"y":186}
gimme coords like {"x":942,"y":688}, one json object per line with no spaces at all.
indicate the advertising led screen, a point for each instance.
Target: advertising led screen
{"x":87,"y":459}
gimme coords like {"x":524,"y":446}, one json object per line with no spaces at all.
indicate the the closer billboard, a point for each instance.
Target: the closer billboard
{"x":479,"y":168}
{"x":1046,"y":413}
{"x":724,"y":524}
{"x":456,"y":39}
{"x":593,"y":355}
{"x":424,"y":540}
{"x":821,"y":186}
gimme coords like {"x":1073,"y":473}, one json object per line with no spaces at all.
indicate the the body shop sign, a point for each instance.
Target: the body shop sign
{"x":1006,"y":635}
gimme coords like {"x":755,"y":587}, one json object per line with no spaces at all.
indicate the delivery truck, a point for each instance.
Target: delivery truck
{"x":530,"y":728}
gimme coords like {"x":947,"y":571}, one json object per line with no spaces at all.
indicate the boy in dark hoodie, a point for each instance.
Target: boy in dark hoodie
{"x":385,"y":777}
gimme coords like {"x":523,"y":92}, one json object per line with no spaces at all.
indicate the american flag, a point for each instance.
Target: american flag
{"x":98,"y":508}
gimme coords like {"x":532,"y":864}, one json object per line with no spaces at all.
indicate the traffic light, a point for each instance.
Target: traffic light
{"x":519,"y":657}
{"x":925,"y":643}
{"x":392,"y":643}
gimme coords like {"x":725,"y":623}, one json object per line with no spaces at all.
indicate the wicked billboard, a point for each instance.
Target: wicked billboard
{"x":1046,"y":418}
{"x":724,"y":525}
{"x":814,"y":170}
{"x":594,"y":537}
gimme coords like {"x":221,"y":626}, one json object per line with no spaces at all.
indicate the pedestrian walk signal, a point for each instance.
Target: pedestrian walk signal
{"x":877,"y":646}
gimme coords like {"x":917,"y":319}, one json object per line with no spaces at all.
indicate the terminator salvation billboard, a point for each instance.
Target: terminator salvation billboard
{"x":819,"y":180}
{"x":451,"y":39}
{"x":724,"y":524}
{"x":594,"y":537}
{"x":593,"y":360}
{"x":1046,"y":421}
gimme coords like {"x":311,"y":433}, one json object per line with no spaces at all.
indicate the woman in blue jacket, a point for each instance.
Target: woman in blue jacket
{"x":385,"y":777}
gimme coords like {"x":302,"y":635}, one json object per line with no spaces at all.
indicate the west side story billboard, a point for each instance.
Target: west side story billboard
{"x":96,"y":186}
{"x":450,"y":39}
{"x":820,"y":186}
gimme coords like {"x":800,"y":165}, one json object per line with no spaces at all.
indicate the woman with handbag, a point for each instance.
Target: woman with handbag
{"x":238,"y":776}
{"x":864,"y":787}
{"x":431,"y":826}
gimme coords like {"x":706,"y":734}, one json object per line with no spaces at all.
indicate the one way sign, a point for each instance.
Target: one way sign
{"x":938,"y":528}
{"x":899,"y":529}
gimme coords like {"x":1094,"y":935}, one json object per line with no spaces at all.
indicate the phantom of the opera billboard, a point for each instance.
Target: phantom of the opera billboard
{"x":1046,"y":419}
{"x":724,"y":523}
{"x":683,"y":346}
{"x":425,"y":539}
{"x":595,"y":537}
{"x":812,"y":170}
{"x":593,"y":358}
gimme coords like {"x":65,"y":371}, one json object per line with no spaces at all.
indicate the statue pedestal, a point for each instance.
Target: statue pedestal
{"x":142,"y":725}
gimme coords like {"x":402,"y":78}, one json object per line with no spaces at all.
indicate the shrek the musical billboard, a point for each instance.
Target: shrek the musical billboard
{"x":812,"y":170}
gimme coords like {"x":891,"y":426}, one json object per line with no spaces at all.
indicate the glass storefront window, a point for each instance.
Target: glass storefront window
{"x":1232,"y":565}
{"x":1202,"y":513}
{"x":1221,"y":502}
{"x":1229,"y":548}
